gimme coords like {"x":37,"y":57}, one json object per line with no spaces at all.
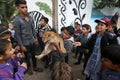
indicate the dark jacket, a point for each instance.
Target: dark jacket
{"x":106,"y":40}
{"x":110,"y":75}
{"x":24,"y":30}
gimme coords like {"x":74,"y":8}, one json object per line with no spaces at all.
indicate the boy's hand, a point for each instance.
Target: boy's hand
{"x":76,"y":44}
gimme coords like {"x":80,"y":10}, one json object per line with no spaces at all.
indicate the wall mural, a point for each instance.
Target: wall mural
{"x":71,"y":11}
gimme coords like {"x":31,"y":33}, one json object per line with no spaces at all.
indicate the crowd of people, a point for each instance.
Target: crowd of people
{"x":101,"y":49}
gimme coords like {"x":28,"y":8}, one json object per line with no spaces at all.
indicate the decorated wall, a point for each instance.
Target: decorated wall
{"x":71,"y":11}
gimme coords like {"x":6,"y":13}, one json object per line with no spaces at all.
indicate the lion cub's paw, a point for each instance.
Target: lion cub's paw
{"x":38,"y":56}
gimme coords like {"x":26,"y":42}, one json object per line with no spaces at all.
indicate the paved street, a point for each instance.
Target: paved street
{"x":46,"y":74}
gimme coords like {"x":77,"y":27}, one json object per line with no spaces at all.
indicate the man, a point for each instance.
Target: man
{"x":25,"y":35}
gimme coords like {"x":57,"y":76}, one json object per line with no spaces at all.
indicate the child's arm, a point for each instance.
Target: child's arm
{"x":19,"y":75}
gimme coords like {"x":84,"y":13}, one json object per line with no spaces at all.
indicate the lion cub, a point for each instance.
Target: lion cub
{"x":50,"y":38}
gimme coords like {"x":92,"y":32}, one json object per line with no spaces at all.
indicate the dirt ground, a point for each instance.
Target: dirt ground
{"x":46,"y":74}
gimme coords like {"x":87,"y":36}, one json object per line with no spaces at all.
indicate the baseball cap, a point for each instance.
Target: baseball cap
{"x":105,"y":20}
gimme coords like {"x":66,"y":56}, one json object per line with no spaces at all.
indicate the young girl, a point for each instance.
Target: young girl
{"x":8,"y":62}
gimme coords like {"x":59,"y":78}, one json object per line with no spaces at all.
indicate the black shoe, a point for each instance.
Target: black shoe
{"x":46,"y":66}
{"x":77,"y":63}
{"x":30,"y":71}
{"x":38,"y":69}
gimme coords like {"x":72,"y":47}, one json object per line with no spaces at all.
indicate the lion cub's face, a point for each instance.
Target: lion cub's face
{"x":47,"y":36}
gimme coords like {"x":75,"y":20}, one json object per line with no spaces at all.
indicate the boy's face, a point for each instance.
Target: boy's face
{"x":22,"y":8}
{"x":101,"y":27}
{"x":109,"y":64}
{"x":66,"y":34}
{"x":84,"y":30}
{"x":9,"y":53}
{"x":42,"y":22}
{"x":110,"y":29}
{"x":10,"y":26}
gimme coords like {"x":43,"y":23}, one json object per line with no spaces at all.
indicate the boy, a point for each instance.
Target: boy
{"x":83,"y":38}
{"x":68,"y":40}
{"x":111,"y":59}
{"x":41,"y":29}
{"x":25,"y":35}
{"x":96,"y":43}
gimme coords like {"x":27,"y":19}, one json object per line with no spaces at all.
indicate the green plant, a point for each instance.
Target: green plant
{"x":99,"y":4}
{"x":44,"y":7}
{"x":7,"y":9}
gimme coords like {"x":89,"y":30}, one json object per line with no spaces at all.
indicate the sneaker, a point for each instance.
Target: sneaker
{"x":38,"y":69}
{"x":77,"y":63}
{"x":30,"y":71}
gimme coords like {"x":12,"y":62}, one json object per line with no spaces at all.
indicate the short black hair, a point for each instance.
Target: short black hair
{"x":87,"y":26}
{"x":63,"y":28}
{"x":70,"y":29}
{"x":17,"y":2}
{"x":3,"y":46}
{"x":45,"y":18}
{"x":112,"y":53}
{"x":3,"y":30}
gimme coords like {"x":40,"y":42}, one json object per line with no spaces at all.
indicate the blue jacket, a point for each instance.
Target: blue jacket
{"x":110,"y":75}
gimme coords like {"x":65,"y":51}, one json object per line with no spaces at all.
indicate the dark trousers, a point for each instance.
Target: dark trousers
{"x":41,"y":43}
{"x":66,"y":58}
{"x":82,"y":52}
{"x":77,"y":51}
{"x":30,"y":53}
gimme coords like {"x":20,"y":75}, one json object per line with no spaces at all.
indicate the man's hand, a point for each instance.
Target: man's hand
{"x":23,"y":48}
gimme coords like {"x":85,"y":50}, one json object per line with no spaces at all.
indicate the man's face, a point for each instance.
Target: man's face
{"x":23,"y":8}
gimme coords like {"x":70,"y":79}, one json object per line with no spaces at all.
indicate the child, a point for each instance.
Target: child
{"x":68,"y":40}
{"x":110,"y":29}
{"x":62,"y":31}
{"x":56,"y":55}
{"x":62,"y":71}
{"x":41,"y":29}
{"x":111,"y":59}
{"x":4,"y":32}
{"x":96,"y":43}
{"x":78,"y":30}
{"x":8,"y":62}
{"x":83,"y":38}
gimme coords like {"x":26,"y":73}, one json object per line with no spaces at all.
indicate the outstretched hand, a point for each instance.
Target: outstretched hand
{"x":76,"y":44}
